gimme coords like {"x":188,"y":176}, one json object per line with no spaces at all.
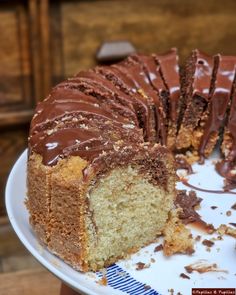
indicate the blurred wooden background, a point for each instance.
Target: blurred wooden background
{"x":41,"y":42}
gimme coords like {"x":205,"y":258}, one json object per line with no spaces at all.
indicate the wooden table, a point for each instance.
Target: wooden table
{"x":20,"y":273}
{"x":65,"y":290}
{"x":33,"y":282}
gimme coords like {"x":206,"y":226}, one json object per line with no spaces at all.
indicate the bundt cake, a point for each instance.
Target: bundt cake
{"x":101,"y":169}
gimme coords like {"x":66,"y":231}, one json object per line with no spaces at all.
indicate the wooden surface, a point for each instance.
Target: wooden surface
{"x":13,"y":140}
{"x":65,"y":290}
{"x":20,"y":273}
{"x":13,"y":255}
{"x":29,"y":282}
{"x":152,"y":26}
{"x":42,"y":42}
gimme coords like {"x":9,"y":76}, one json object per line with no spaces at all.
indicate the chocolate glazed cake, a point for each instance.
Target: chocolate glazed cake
{"x":100,"y":165}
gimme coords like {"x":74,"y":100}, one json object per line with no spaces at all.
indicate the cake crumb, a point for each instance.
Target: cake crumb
{"x":141,"y":266}
{"x":208,"y":243}
{"x":102,"y":281}
{"x":228,"y":213}
{"x":158,"y":248}
{"x":198,"y":238}
{"x":153,"y":260}
{"x":224,"y":229}
{"x":184,"y":276}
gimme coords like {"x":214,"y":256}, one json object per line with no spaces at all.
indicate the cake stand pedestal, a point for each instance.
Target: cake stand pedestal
{"x":65,"y":290}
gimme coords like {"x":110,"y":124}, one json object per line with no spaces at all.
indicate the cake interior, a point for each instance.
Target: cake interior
{"x":128,"y":211}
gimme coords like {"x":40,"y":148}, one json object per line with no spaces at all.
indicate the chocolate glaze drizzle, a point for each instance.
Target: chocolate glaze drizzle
{"x":169,"y":70}
{"x":132,"y":102}
{"x":185,"y":182}
{"x":203,"y":74}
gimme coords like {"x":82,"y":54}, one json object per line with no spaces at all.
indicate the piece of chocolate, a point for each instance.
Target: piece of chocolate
{"x":184,"y":276}
{"x":158,"y":248}
{"x":195,"y":96}
{"x":188,"y":202}
{"x":208,"y":243}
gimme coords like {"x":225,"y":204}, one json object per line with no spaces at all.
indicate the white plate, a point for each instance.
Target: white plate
{"x":123,"y":278}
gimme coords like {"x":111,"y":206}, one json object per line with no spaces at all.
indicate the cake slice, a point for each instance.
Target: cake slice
{"x":196,"y":91}
{"x":136,"y":70}
{"x":91,"y":210}
{"x":163,"y":74}
{"x":209,"y":130}
{"x":91,"y":84}
{"x":151,"y":76}
{"x":124,"y":81}
{"x":170,"y":73}
{"x":227,"y":166}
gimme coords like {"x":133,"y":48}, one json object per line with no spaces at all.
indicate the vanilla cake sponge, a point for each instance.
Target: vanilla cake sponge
{"x":92,"y":213}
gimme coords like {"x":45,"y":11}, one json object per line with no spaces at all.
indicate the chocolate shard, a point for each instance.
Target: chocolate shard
{"x":188,"y":202}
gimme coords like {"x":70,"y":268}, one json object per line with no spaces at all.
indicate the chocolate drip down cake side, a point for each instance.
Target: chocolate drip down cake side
{"x":101,"y":167}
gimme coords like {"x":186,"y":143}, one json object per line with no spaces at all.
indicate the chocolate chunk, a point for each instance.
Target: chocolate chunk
{"x":228,"y":213}
{"x":213,"y":207}
{"x":198,"y":238}
{"x":141,"y":265}
{"x":188,"y":202}
{"x":208,"y":243}
{"x":158,"y":248}
{"x":184,"y":276}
